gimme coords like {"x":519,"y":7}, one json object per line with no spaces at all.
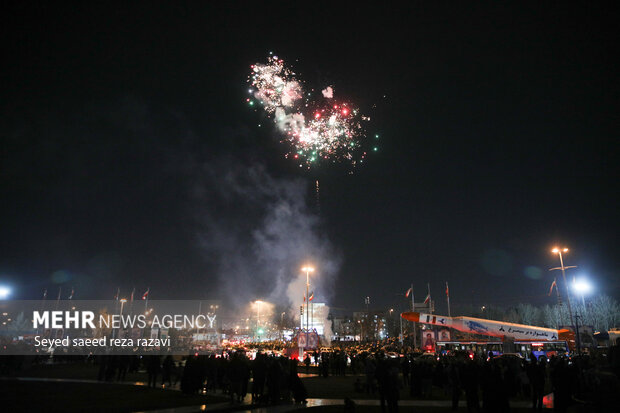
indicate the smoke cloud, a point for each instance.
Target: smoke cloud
{"x":259,"y":231}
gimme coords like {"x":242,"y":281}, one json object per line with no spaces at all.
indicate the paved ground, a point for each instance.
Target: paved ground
{"x":247,"y":406}
{"x":319,"y":402}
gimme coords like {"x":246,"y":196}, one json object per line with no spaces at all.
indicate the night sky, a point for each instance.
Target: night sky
{"x":497,"y":127}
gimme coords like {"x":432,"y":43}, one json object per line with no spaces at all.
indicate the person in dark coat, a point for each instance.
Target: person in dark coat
{"x":243,"y":376}
{"x":381,"y":375}
{"x":296,"y":385}
{"x":152,"y":369}
{"x":307,"y":363}
{"x":112,"y":366}
{"x":536,"y":374}
{"x":391,"y":391}
{"x":388,"y":383}
{"x":103,"y":365}
{"x":470,"y":380}
{"x":454,"y":380}
{"x":166,"y":371}
{"x":259,"y":375}
{"x":561,"y":382}
{"x":274,"y":380}
{"x":405,"y":369}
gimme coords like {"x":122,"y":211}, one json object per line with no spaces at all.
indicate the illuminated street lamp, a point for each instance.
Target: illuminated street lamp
{"x":307,"y":270}
{"x":4,"y":292}
{"x":559,"y":251}
{"x":123,"y":301}
{"x":562,"y":267}
{"x":583,"y":287}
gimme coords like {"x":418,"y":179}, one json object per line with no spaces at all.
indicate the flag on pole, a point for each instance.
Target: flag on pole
{"x":408,"y":292}
{"x":428,"y":298}
{"x":553,"y":284}
{"x":304,"y":298}
{"x":311,"y":297}
{"x":146,"y":294}
{"x":72,"y":292}
{"x":448,"y":298}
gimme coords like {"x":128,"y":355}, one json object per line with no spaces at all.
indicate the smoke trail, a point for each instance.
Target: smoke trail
{"x":259,"y":232}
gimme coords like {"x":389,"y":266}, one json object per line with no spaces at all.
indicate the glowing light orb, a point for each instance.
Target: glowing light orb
{"x":4,"y":292}
{"x":582,"y":286}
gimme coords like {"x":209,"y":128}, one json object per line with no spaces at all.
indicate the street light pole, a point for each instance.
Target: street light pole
{"x":400,"y":338}
{"x":413,"y":323}
{"x":123,"y":301}
{"x":308,"y":270}
{"x":564,"y":268}
{"x":367,"y":301}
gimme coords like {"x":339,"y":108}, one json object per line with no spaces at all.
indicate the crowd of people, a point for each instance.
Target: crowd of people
{"x":486,"y":383}
{"x":274,"y":378}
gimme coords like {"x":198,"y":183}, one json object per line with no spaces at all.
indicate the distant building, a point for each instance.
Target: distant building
{"x":345,"y":328}
{"x":369,"y":326}
{"x":316,"y":317}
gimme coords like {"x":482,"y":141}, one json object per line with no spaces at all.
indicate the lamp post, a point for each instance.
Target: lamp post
{"x":401,"y":337}
{"x":307,"y":270}
{"x":367,"y":302}
{"x":123,"y":301}
{"x":562,"y":267}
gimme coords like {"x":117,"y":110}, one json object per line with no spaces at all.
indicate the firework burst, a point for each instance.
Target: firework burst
{"x":316,"y":129}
